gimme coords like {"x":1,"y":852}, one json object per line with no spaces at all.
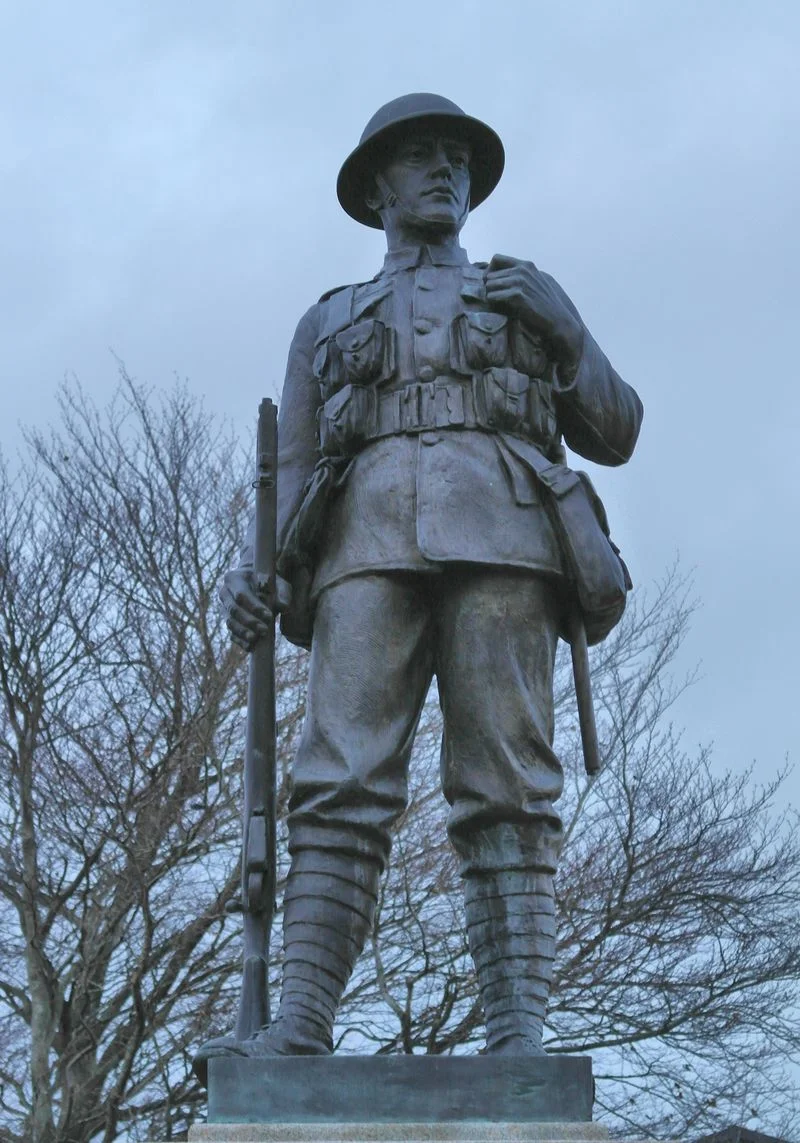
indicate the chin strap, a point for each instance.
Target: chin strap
{"x":391,"y":199}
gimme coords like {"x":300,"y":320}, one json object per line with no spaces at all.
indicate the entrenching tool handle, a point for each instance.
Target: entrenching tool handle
{"x":258,"y":848}
{"x":583,"y":693}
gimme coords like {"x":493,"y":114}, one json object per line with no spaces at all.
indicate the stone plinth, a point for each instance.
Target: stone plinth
{"x":400,"y":1099}
{"x":464,"y":1132}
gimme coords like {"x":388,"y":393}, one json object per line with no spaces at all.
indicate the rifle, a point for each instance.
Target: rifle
{"x":258,"y":848}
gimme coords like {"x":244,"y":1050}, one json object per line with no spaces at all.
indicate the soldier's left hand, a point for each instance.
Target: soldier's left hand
{"x":525,"y":292}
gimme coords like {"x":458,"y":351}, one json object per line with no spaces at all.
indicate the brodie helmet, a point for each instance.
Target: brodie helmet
{"x":428,"y":112}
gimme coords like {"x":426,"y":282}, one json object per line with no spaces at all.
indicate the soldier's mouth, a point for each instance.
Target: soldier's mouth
{"x":451,"y":194}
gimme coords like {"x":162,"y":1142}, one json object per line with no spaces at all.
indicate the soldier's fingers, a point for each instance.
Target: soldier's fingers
{"x":242,"y":635}
{"x":506,"y":294}
{"x":250,"y":603}
{"x":505,"y":261}
{"x":502,"y":296}
{"x":521,"y":288}
{"x":519,"y":276}
{"x":524,"y":304}
{"x":502,"y":262}
{"x":233,"y":597}
{"x":261,"y":594}
{"x":510,"y":275}
{"x":259,"y":608}
{"x":247,"y":619}
{"x":242,"y":589}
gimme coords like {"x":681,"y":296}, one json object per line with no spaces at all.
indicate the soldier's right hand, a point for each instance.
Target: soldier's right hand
{"x":249,"y":612}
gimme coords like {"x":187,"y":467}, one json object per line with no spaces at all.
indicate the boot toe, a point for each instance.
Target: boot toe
{"x":283,"y":1038}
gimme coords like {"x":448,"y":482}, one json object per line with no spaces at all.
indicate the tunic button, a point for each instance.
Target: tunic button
{"x":427,"y":373}
{"x":430,"y":438}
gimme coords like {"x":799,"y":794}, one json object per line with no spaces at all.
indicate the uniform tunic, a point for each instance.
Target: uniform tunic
{"x":428,"y":550}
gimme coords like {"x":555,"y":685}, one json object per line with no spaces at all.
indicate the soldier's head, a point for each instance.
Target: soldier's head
{"x":422,"y":183}
{"x":420,"y":167}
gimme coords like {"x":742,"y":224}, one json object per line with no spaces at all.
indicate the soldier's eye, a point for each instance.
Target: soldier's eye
{"x":414,"y":153}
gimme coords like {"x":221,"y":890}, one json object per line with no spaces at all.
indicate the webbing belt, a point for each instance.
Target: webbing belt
{"x":444,"y":403}
{"x":359,"y":414}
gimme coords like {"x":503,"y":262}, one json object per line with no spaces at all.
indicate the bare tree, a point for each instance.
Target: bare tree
{"x":120,"y":739}
{"x":121,"y":731}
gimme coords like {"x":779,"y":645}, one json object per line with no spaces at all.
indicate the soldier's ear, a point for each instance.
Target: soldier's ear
{"x":381,"y":195}
{"x":374,"y":198}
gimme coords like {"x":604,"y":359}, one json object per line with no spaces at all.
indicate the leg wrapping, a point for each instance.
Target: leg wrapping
{"x":511,"y":929}
{"x":329,"y":907}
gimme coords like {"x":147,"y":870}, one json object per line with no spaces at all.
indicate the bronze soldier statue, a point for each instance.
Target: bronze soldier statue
{"x":421,"y":415}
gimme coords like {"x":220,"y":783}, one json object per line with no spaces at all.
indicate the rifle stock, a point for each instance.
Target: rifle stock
{"x":258,"y":848}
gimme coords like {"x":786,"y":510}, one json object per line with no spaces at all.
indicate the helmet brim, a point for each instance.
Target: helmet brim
{"x":486,"y":162}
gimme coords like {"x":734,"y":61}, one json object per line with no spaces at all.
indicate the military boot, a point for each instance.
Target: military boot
{"x":329,"y":905}
{"x":511,"y":929}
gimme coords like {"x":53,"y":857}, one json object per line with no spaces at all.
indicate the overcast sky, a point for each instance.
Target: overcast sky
{"x":167,"y":192}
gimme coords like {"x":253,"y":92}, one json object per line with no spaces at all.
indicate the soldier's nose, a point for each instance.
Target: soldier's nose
{"x":441,"y":165}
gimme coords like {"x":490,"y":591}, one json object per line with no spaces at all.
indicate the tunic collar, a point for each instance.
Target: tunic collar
{"x":412,"y":256}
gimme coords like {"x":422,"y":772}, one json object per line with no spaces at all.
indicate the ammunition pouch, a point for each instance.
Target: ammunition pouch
{"x":361,"y":354}
{"x":496,"y":400}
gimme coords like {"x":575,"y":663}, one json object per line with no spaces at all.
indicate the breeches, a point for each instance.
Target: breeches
{"x":489,"y":635}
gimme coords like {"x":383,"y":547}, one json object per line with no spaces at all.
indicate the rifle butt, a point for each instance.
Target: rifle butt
{"x":254,"y":998}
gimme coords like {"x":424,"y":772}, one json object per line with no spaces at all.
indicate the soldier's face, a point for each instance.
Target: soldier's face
{"x":430,"y":176}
